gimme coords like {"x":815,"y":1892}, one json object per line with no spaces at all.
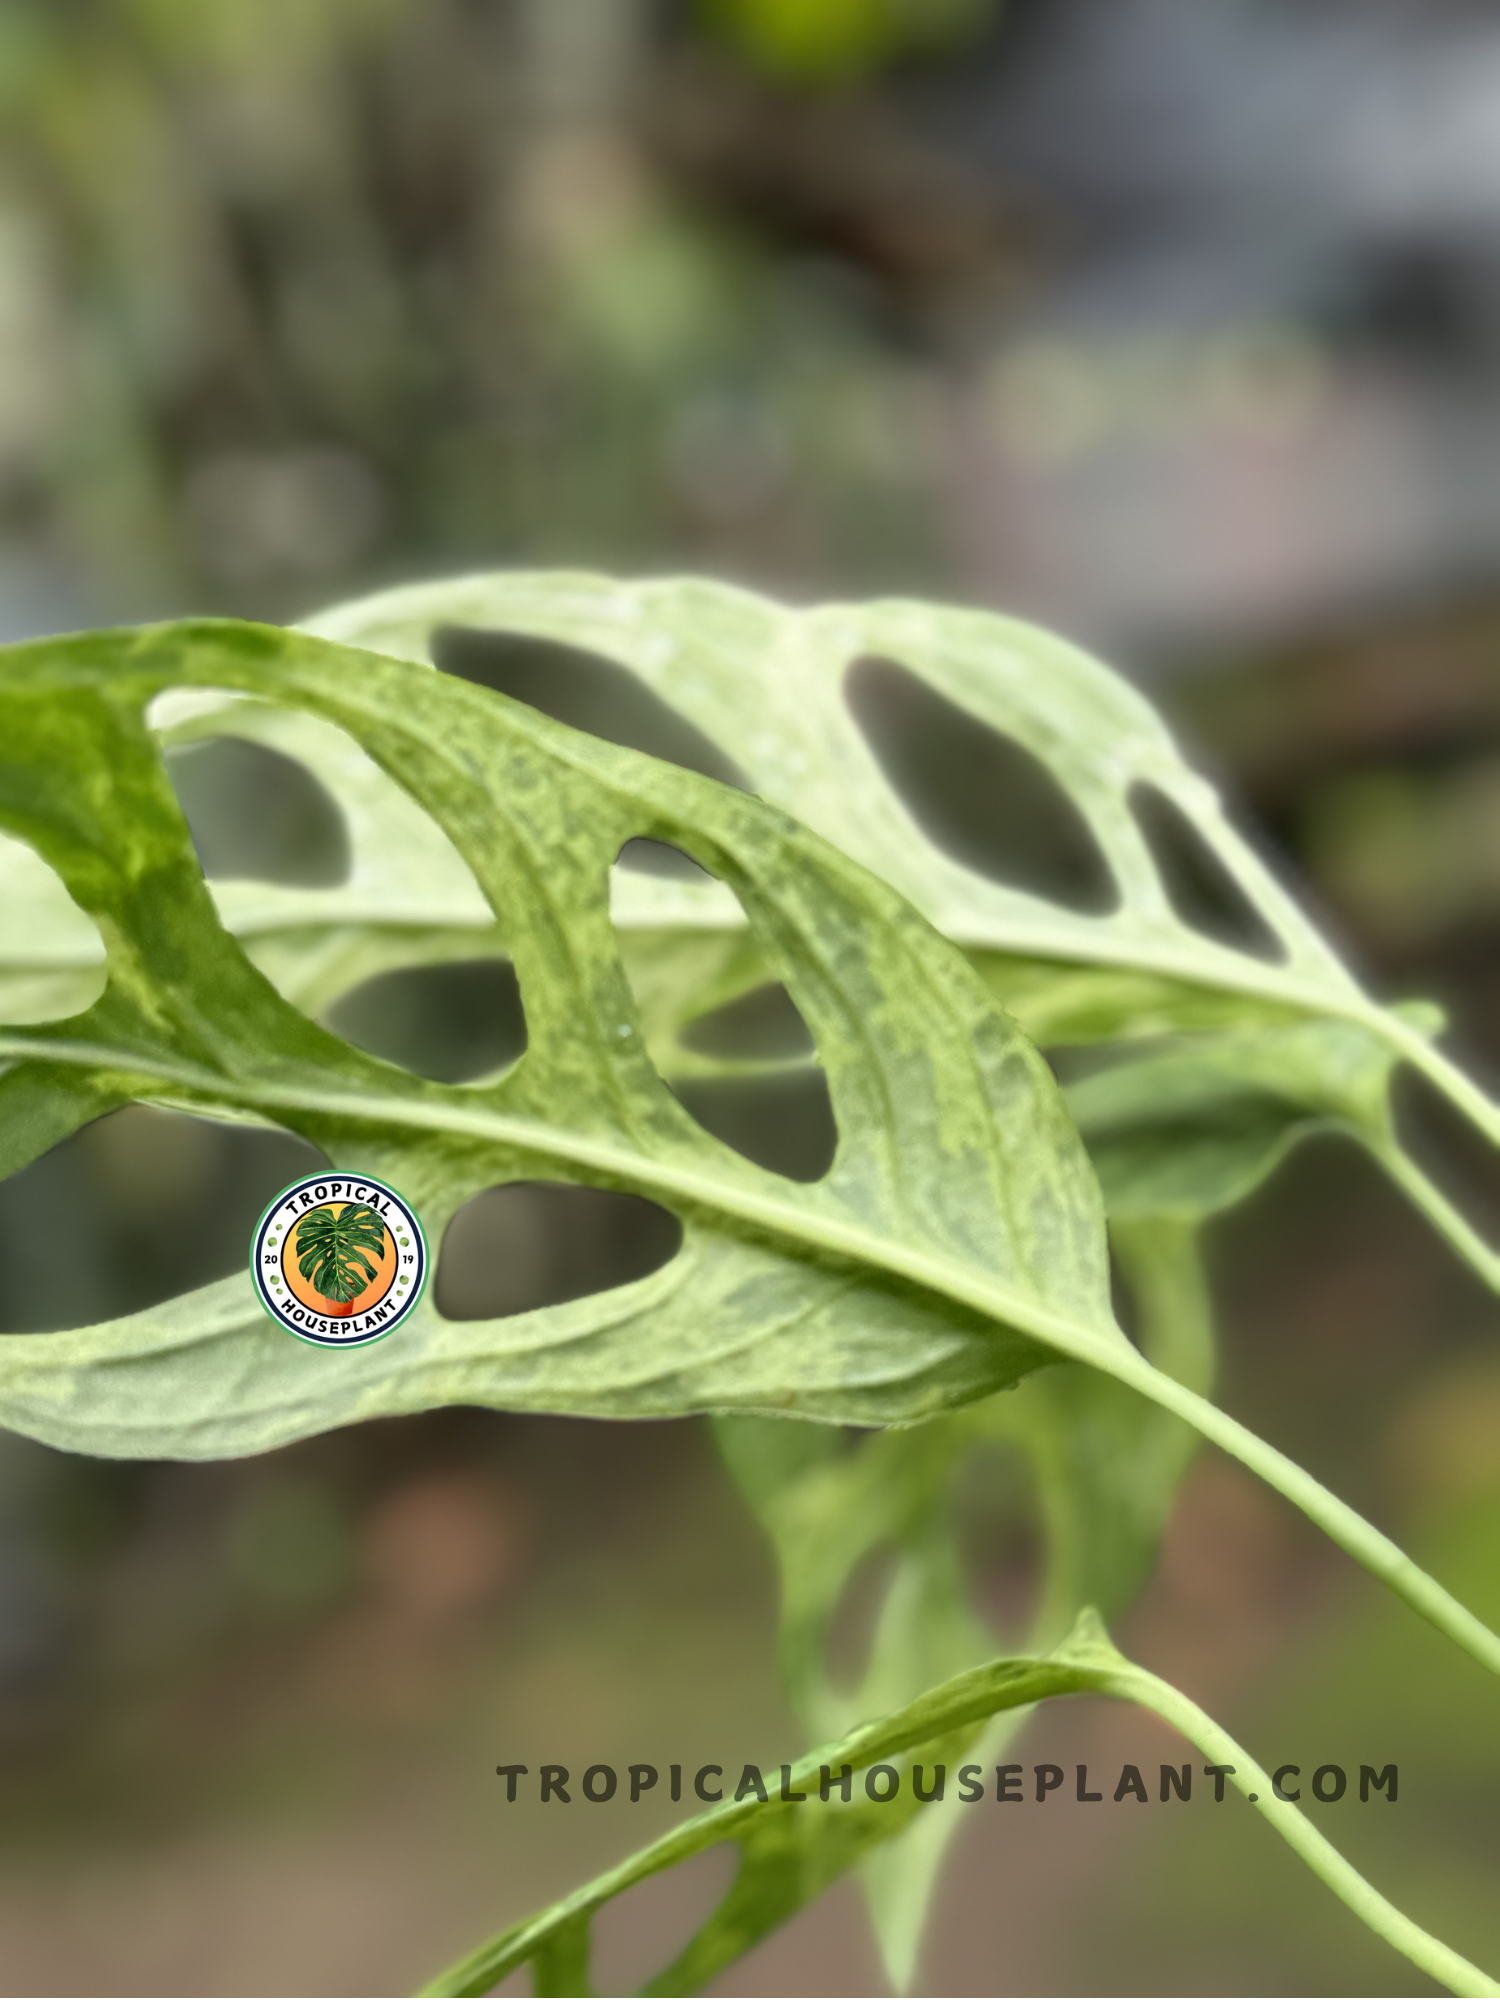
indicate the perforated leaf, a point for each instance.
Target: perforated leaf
{"x":956,"y":1243}
{"x":769,"y":687}
{"x":1240,"y":1049}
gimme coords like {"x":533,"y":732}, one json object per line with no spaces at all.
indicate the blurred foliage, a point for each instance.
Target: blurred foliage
{"x":295,"y":295}
{"x":832,"y":40}
{"x":223,"y":1391}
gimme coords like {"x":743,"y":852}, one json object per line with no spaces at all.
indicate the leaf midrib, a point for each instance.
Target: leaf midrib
{"x":366,"y":909}
{"x":1157,"y":956}
{"x":701,"y":1186}
{"x":1125,"y":937}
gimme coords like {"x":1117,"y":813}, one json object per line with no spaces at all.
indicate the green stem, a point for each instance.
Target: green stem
{"x":1440,"y":1212}
{"x":790,"y":1853}
{"x":1444,"y":1074}
{"x":666,"y":1178}
{"x":1373,"y":1550}
{"x":1438,"y":1960}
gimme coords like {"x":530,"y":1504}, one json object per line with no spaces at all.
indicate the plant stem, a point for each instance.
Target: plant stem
{"x":1438,"y":1960}
{"x":1086,"y":1663}
{"x":1372,"y":1550}
{"x":1441,"y":1213}
{"x":669,"y":1178}
{"x":1444,"y":1074}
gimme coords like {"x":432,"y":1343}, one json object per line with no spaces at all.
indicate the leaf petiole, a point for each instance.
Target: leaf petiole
{"x":789,"y":1855}
{"x":1340,"y":1522}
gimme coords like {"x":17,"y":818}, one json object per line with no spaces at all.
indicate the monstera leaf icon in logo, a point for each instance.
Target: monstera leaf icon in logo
{"x":330,"y":1247}
{"x":339,"y":1261}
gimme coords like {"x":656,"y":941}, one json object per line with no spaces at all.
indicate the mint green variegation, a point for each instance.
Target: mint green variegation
{"x":956,"y":1245}
{"x":765,"y":684}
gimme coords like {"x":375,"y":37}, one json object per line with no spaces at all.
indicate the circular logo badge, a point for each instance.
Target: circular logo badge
{"x":339,"y":1260}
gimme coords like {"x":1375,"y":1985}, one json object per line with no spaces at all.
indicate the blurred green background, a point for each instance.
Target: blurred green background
{"x":1175,"y":326}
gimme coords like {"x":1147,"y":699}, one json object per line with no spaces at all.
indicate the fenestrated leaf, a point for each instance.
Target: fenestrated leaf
{"x":768,"y":685}
{"x":695,"y":645}
{"x":408,"y":898}
{"x":163,"y":1032}
{"x":955,"y":1244}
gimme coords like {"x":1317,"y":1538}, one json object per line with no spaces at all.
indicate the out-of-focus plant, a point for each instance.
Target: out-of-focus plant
{"x":289,"y":294}
{"x":826,"y":41}
{"x":955,"y":1247}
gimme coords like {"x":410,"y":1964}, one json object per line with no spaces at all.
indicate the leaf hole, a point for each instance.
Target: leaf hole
{"x":586,"y":691}
{"x":763,"y":1025}
{"x":635,"y":1934}
{"x":849,"y":1637}
{"x":452,"y":1023}
{"x":51,"y":952}
{"x":1200,"y":888}
{"x":258,"y":815}
{"x":660,"y":858}
{"x":782,"y":1121}
{"x":980,"y":796}
{"x":1448,"y":1149}
{"x":398,"y":871}
{"x":139,"y":1207}
{"x":529,"y":1244}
